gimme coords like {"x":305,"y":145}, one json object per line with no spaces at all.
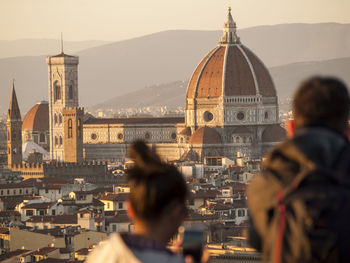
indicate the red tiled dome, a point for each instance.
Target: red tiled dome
{"x":205,"y":135}
{"x":37,"y":118}
{"x":274,"y":133}
{"x":230,"y":69}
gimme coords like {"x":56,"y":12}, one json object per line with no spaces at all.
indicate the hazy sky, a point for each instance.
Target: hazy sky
{"x":117,"y":19}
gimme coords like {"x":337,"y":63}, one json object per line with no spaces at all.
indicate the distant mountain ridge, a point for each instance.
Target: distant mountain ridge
{"x":286,"y":78}
{"x":122,"y":67}
{"x":43,"y":47}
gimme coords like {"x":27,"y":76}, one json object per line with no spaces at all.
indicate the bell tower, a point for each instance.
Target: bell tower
{"x":14,"y":131}
{"x":63,"y":92}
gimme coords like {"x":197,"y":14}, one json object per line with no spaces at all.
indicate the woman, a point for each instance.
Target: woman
{"x":157,"y":207}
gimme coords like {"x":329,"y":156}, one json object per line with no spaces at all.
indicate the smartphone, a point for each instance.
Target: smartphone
{"x":193,"y":241}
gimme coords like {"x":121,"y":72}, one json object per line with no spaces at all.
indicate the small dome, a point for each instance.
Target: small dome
{"x":274,"y":133}
{"x":37,"y":118}
{"x":205,"y":135}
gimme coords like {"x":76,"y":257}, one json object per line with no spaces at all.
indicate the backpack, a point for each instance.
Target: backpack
{"x":306,"y":221}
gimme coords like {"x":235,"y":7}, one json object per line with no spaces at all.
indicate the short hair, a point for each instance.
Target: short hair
{"x":322,"y":100}
{"x":153,"y":183}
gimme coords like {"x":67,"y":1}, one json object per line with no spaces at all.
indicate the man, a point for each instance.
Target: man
{"x":299,"y":205}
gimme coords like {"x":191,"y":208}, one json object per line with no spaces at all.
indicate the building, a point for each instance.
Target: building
{"x":231,"y":107}
{"x":231,"y":111}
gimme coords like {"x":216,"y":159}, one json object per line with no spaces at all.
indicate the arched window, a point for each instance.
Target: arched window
{"x":266,"y":115}
{"x":79,"y":128}
{"x":57,"y":91}
{"x":61,"y":140}
{"x":60,"y":118}
{"x":70,"y":128}
{"x":56,"y":140}
{"x":55,"y":119}
{"x":70,"y":92}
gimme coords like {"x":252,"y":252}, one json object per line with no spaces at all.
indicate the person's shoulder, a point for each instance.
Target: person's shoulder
{"x":112,"y":250}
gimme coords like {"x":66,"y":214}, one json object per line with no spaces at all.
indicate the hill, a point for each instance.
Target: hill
{"x":286,"y":78}
{"x":119,"y":68}
{"x":40,"y":47}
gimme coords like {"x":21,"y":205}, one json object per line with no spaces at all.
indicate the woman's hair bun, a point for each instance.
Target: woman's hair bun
{"x":145,"y":158}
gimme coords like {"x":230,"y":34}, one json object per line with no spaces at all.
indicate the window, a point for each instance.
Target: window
{"x":2,"y":192}
{"x":120,"y":205}
{"x":53,"y":212}
{"x":57,"y":90}
{"x":61,"y":140}
{"x":79,"y":128}
{"x":29,"y":212}
{"x":70,"y":92}
{"x":108,"y":206}
{"x":26,"y":191}
{"x":60,"y":118}
{"x":8,"y":135}
{"x":20,"y":191}
{"x":8,"y":192}
{"x":14,"y":192}
{"x":42,"y":137}
{"x":266,"y":115}
{"x":55,"y":119}
{"x":114,"y":228}
{"x":56,"y":140}
{"x":46,"y":191}
{"x":70,"y":128}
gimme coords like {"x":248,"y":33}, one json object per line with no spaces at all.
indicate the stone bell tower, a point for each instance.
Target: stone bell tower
{"x":63,"y":92}
{"x":14,"y":131}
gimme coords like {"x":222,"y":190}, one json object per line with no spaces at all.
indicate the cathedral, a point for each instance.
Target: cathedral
{"x":231,"y":108}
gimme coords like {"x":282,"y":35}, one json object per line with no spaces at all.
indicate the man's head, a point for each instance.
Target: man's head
{"x":322,"y":100}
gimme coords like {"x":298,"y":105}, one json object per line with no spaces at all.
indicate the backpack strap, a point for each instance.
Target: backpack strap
{"x":281,"y":227}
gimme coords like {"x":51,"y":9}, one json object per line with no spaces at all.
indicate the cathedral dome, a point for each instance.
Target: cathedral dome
{"x":37,"y":118}
{"x":205,"y":135}
{"x":230,"y":69}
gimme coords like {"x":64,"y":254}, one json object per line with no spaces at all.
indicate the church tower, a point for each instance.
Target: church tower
{"x":14,"y":131}
{"x":73,"y":134}
{"x":63,"y":92}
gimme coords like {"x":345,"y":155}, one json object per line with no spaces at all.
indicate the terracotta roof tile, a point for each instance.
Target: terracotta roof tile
{"x":45,"y":205}
{"x":210,"y":81}
{"x":193,"y":82}
{"x":265,"y":82}
{"x":58,"y":219}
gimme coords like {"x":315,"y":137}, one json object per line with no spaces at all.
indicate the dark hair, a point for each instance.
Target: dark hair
{"x":154,"y":184}
{"x":322,"y":100}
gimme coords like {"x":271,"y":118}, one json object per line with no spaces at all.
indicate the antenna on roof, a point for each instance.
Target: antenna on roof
{"x":61,"y":42}
{"x":13,"y":82}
